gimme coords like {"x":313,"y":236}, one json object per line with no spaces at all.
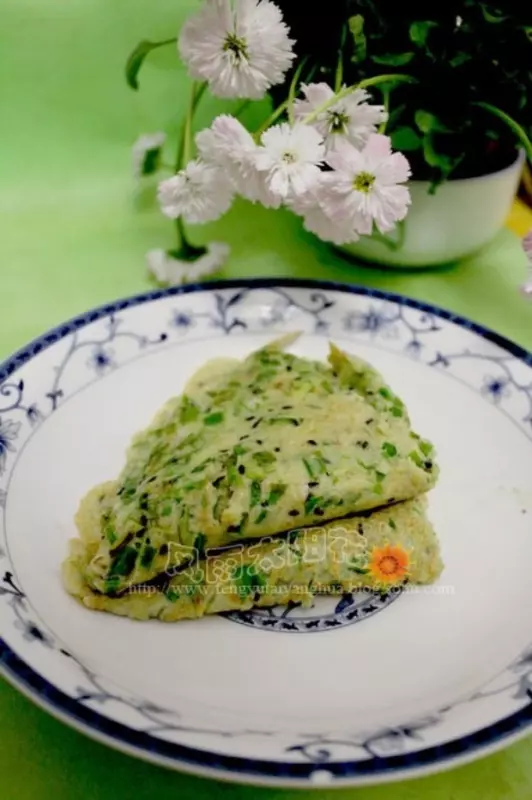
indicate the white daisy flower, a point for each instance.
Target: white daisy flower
{"x":146,"y":153}
{"x":351,"y":118}
{"x":230,"y":146}
{"x":364,"y":185}
{"x":318,"y":222}
{"x":241,"y":47}
{"x":199,"y":193}
{"x":527,"y":247}
{"x":290,"y":158}
{"x":172,"y":271}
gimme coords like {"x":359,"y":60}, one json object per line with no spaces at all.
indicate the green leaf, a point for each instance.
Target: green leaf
{"x":199,"y":542}
{"x":429,"y":123}
{"x":491,"y":17}
{"x":136,"y":59}
{"x":419,"y":32}
{"x":405,"y":139}
{"x":393,"y":59}
{"x":356,"y":26}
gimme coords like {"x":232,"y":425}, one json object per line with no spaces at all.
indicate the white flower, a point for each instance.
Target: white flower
{"x":230,"y":146}
{"x":199,"y":193}
{"x":173,"y":271}
{"x":526,"y":243}
{"x":241,"y":48}
{"x":364,"y":186}
{"x":351,"y":118}
{"x":318,"y":222}
{"x":146,"y":153}
{"x":290,"y":157}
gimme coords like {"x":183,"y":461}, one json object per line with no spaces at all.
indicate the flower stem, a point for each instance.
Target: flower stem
{"x":339,"y":76}
{"x":386,"y":103}
{"x":514,"y":126}
{"x":184,"y":149}
{"x":276,"y":113}
{"x":293,"y":87}
{"x":365,"y":84}
{"x":241,"y":108}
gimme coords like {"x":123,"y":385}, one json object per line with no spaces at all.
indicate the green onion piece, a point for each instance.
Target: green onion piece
{"x":389,"y":449}
{"x":214,"y":419}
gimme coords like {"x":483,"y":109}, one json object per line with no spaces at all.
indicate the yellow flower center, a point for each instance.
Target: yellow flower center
{"x":289,"y":158}
{"x":236,"y":46}
{"x":363,"y":182}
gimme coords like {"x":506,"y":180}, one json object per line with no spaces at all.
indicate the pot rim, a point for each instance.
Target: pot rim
{"x":517,"y":162}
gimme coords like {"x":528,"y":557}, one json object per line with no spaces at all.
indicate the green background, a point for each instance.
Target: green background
{"x":74,"y":229}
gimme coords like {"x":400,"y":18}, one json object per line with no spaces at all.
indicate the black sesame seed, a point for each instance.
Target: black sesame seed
{"x":313,"y":442}
{"x":319,"y":512}
{"x":313,"y":484}
{"x":287,"y":408}
{"x":249,"y":419}
{"x":360,"y":529}
{"x":369,"y":421}
{"x":163,"y":549}
{"x":427,"y":464}
{"x":245,"y":436}
{"x":363,"y":444}
{"x":289,"y":368}
{"x":276,"y":449}
{"x":241,"y":469}
{"x":259,"y":441}
{"x":257,"y":423}
{"x":294,"y":513}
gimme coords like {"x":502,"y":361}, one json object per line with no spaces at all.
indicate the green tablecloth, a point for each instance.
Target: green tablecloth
{"x":73,"y":235}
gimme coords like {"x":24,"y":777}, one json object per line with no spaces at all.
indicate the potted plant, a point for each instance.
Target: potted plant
{"x":463,"y":121}
{"x":364,"y":97}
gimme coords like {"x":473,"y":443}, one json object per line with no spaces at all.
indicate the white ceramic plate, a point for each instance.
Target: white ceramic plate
{"x":355,"y":690}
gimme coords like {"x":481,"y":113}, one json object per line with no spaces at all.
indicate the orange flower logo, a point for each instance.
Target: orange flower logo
{"x":389,"y":564}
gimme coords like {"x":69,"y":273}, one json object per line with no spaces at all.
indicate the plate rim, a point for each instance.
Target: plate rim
{"x":206,"y":762}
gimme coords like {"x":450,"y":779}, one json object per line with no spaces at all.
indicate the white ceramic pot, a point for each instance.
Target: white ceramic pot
{"x":460,"y":218}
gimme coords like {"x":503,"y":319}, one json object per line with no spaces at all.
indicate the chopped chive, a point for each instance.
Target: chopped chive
{"x":380,"y":475}
{"x":386,"y":393}
{"x":200,"y":542}
{"x":111,"y":535}
{"x":255,"y":492}
{"x":167,"y":510}
{"x":263,"y":457}
{"x":392,"y":524}
{"x":124,"y":562}
{"x":261,"y":517}
{"x":189,"y":411}
{"x":171,"y":595}
{"x":389,"y":449}
{"x":148,"y":555}
{"x":426,"y":448}
{"x":239,"y":450}
{"x":311,"y":502}
{"x":377,"y":488}
{"x":397,"y":411}
{"x":276,"y":492}
{"x":308,"y":467}
{"x":416,"y":458}
{"x":214,"y":419}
